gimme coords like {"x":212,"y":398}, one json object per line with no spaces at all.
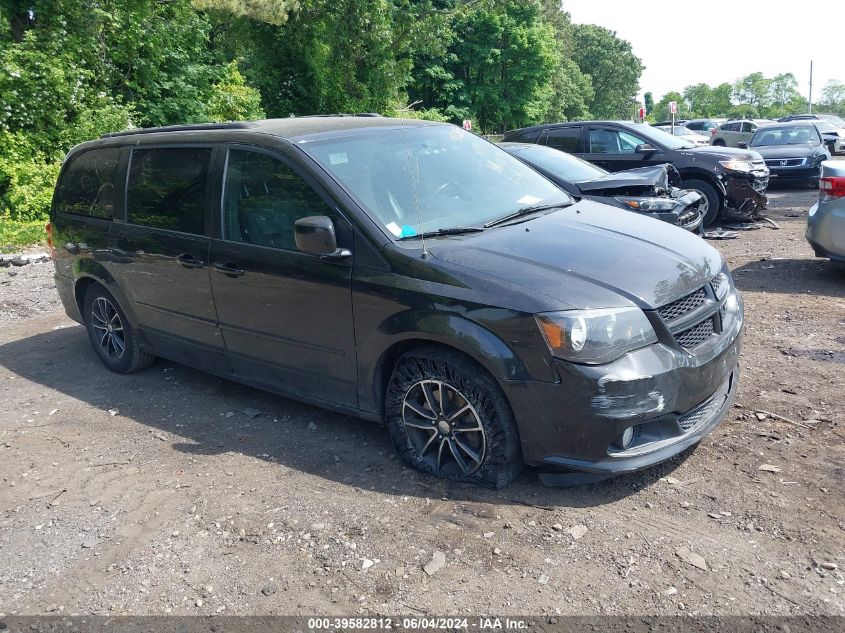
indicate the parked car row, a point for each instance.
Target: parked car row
{"x":734,"y":132}
{"x":731,"y":181}
{"x":412,"y":273}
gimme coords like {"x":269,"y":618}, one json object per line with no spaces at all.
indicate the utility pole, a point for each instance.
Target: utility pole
{"x":810,"y":100}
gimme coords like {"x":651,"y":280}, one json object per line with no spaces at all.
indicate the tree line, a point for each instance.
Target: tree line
{"x":71,"y":70}
{"x":752,"y":96}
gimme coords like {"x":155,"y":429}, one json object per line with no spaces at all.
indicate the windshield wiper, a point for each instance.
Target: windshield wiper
{"x":455,"y":230}
{"x":525,"y":211}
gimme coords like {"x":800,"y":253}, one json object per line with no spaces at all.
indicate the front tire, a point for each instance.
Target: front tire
{"x":447,"y":417}
{"x":111,"y":334}
{"x":711,"y":202}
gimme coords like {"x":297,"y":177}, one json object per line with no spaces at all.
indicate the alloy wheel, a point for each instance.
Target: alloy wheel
{"x":444,"y":428}
{"x":108,"y":327}
{"x":704,"y":204}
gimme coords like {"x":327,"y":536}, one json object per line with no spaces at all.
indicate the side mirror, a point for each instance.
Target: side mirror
{"x":645,"y":148}
{"x":315,"y":235}
{"x":742,"y":145}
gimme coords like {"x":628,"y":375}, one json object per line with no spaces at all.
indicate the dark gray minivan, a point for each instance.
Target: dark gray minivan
{"x":405,"y":272}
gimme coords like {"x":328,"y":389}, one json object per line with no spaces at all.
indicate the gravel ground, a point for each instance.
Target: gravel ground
{"x":173,"y":492}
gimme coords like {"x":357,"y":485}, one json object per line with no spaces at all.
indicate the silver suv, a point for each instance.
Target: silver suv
{"x":735,"y":131}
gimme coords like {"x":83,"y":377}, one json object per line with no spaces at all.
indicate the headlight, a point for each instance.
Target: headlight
{"x":648,"y":204}
{"x":737,"y":165}
{"x":595,"y":336}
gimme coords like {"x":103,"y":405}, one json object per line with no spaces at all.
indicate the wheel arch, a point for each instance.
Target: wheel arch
{"x":694,"y":173}
{"x":467,"y":338}
{"x":89,"y":272}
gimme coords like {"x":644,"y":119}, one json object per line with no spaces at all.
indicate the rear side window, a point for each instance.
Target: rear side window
{"x":167,"y":188}
{"x":732,"y":127}
{"x":87,"y":184}
{"x":527,"y":137}
{"x":566,"y":139}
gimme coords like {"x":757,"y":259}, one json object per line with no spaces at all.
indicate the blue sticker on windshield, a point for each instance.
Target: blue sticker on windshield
{"x":408,"y":231}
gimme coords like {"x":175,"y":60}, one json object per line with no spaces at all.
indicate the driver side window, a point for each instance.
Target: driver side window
{"x":263,"y":198}
{"x":605,"y":141}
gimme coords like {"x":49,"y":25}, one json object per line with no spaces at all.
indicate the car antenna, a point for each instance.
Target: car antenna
{"x":414,"y":185}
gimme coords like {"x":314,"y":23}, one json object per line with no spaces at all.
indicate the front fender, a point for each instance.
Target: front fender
{"x":459,"y":332}
{"x":381,"y":346}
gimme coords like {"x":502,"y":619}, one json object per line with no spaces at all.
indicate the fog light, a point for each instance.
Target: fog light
{"x":624,"y":441}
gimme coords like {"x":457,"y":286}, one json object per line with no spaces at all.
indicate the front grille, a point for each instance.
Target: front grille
{"x":706,"y":410}
{"x":682,"y":306}
{"x":785,"y":162}
{"x":696,"y":335}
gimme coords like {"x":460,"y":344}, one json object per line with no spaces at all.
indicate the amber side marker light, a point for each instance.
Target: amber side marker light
{"x":48,"y":228}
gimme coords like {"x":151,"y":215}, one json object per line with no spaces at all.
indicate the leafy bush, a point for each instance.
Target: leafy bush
{"x":16,"y":235}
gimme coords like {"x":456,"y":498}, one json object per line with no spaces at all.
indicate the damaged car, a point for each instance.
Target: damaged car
{"x":731,"y":181}
{"x":651,"y":191}
{"x":405,"y":272}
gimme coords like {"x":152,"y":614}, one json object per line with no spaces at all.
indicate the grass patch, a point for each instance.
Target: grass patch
{"x":15,"y":235}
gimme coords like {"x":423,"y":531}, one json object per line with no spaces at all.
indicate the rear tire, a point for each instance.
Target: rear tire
{"x":447,"y":417}
{"x":718,"y":143}
{"x":709,"y":193}
{"x":111,"y":334}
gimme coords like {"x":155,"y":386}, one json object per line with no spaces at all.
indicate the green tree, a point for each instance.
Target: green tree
{"x":699,"y":100}
{"x":833,"y":96}
{"x":270,"y":11}
{"x":721,"y":99}
{"x":661,"y":109}
{"x":784,"y":96}
{"x":753,"y":90}
{"x":648,"y":102}
{"x":613,"y":69}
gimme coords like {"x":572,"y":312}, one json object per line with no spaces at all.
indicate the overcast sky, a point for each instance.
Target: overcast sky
{"x":714,"y":41}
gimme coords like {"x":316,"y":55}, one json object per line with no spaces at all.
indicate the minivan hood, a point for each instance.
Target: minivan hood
{"x":589,"y":255}
{"x":658,"y":177}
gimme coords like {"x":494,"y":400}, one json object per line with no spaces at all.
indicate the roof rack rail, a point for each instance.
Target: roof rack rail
{"x":236,"y":125}
{"x":357,"y":114}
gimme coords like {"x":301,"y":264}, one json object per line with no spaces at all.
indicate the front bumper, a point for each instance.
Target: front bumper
{"x":671,"y":397}
{"x":801,"y":173}
{"x":745,"y":194}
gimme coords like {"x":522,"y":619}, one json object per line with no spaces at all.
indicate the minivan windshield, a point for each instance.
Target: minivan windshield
{"x":425,"y":179}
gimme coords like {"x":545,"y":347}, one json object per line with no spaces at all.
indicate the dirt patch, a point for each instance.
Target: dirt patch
{"x":171,"y":491}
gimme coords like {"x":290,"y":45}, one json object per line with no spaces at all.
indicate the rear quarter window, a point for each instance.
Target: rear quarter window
{"x":86,"y":186}
{"x":166,"y":188}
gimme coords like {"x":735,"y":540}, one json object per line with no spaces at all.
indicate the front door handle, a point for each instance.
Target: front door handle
{"x":189,"y":261}
{"x":229,"y":268}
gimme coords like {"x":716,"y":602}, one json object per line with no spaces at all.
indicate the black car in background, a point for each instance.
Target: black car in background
{"x":651,"y":191}
{"x":405,"y":272}
{"x":793,"y":151}
{"x":732,"y":181}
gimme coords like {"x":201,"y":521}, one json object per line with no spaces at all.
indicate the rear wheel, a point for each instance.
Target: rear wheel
{"x":448,"y":417}
{"x":711,"y":203}
{"x":718,"y":143}
{"x":110,"y":333}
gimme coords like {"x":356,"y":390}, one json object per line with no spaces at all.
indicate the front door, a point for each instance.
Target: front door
{"x":286,"y":316}
{"x":159,"y":256}
{"x":614,"y":149}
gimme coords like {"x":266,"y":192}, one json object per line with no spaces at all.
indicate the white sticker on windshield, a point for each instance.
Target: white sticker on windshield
{"x":528,"y":200}
{"x":338,"y":159}
{"x":395,"y":229}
